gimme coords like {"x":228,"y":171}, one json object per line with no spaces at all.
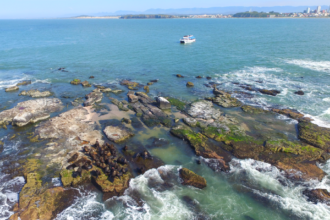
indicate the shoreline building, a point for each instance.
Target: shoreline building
{"x":318,"y":10}
{"x":308,"y":10}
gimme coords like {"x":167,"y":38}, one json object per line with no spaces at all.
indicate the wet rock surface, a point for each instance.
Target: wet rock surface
{"x":93,"y":97}
{"x":117,"y":134}
{"x":224,"y":99}
{"x":30,"y":111}
{"x":314,"y":135}
{"x":203,"y":110}
{"x":12,"y":89}
{"x":163,"y":103}
{"x":34,"y":93}
{"x":192,"y":179}
{"x":318,"y":195}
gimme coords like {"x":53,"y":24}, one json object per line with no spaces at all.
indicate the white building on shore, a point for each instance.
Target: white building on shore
{"x":318,"y":10}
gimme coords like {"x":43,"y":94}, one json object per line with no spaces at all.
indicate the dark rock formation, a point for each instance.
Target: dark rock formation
{"x":192,"y":179}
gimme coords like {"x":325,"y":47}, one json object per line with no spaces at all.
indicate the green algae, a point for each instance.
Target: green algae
{"x":177,"y":103}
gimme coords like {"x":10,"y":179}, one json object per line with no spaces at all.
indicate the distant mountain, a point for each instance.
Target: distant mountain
{"x":215,"y":10}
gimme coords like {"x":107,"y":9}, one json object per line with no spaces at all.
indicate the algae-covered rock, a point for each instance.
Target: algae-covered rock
{"x":68,"y":179}
{"x":307,"y":151}
{"x":116,"y":185}
{"x":269,"y":92}
{"x":192,"y":179}
{"x":146,"y":88}
{"x":224,"y":99}
{"x":117,"y":133}
{"x":252,"y":109}
{"x":190,"y":121}
{"x":177,"y":103}
{"x":163,"y":103}
{"x":289,"y":112}
{"x":75,"y":82}
{"x":130,"y":85}
{"x":314,"y":135}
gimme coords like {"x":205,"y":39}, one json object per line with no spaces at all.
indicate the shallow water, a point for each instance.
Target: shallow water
{"x":283,"y":54}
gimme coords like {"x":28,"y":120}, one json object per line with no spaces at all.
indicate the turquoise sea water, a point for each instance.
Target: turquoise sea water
{"x":283,"y":54}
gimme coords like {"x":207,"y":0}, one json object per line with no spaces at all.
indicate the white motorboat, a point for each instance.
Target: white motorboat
{"x":187,"y":39}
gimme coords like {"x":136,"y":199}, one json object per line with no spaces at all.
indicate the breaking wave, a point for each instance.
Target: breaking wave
{"x":320,"y":66}
{"x":270,"y":183}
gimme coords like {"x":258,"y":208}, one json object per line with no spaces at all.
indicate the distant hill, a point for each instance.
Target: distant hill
{"x":214,"y":10}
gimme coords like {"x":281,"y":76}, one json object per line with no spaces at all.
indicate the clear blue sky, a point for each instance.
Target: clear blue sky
{"x":55,"y":8}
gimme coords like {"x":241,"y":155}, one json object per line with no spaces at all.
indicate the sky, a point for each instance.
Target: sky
{"x":60,"y":8}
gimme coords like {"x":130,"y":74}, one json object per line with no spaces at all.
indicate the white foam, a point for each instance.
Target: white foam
{"x":9,"y":190}
{"x":288,"y":197}
{"x":57,"y":181}
{"x":13,"y":81}
{"x":321,"y":66}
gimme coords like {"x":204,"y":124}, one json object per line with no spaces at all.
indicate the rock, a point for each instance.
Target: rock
{"x":70,"y":124}
{"x":301,"y":171}
{"x":130,"y":85}
{"x":85,"y":84}
{"x":203,"y":110}
{"x":24,"y":83}
{"x":116,"y":91}
{"x":117,"y":134}
{"x":199,"y":77}
{"x":12,"y":89}
{"x":126,"y":120}
{"x":177,"y":103}
{"x":252,"y":110}
{"x":77,"y":101}
{"x":132,"y":98}
{"x":179,"y":76}
{"x":269,"y":92}
{"x":163,"y":103}
{"x":119,"y":104}
{"x":36,"y":93}
{"x":68,"y":179}
{"x":318,"y":195}
{"x":154,"y":80}
{"x":104,"y":90}
{"x":150,"y":83}
{"x":35,"y":203}
{"x":307,"y":152}
{"x":146,"y":88}
{"x":314,"y":135}
{"x":176,"y":120}
{"x":224,"y":99}
{"x":192,"y":179}
{"x":289,"y":112}
{"x":117,"y":186}
{"x":93,"y":97}
{"x":190,"y":84}
{"x":31,"y":111}
{"x":190,"y":122}
{"x":299,"y":92}
{"x":208,"y":78}
{"x":75,"y":82}
{"x":91,"y":77}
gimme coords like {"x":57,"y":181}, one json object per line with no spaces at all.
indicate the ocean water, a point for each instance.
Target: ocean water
{"x":284,"y":54}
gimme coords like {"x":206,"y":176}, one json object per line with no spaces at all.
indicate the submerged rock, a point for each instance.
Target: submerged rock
{"x":93,"y":97}
{"x":163,"y":103}
{"x":12,"y":89}
{"x":192,"y":179}
{"x":31,"y":111}
{"x":24,"y":83}
{"x":117,"y":134}
{"x":34,"y":93}
{"x":132,"y":98}
{"x":179,"y":76}
{"x":146,"y":88}
{"x":252,"y":109}
{"x":119,"y":104}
